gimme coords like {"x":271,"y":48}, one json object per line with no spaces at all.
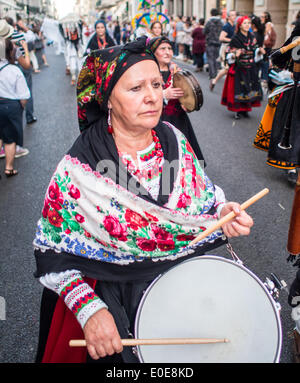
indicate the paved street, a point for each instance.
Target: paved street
{"x":232,"y":163}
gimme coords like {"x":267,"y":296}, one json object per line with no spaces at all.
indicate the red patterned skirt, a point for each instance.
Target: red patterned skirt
{"x":237,"y":99}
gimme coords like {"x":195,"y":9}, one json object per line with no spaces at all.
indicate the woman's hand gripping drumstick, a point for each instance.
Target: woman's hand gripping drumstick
{"x":234,"y":220}
{"x":156,"y":341}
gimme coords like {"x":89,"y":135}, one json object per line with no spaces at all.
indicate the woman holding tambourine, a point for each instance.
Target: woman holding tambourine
{"x":173,"y":111}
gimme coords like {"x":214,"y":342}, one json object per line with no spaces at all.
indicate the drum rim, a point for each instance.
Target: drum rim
{"x":218,"y":258}
{"x":198,"y":90}
{"x":195,"y":87}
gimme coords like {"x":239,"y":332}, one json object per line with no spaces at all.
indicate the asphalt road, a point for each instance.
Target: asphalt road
{"x":232,"y":163}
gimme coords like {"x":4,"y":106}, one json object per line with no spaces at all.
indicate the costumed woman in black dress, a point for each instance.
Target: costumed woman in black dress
{"x":287,"y":115}
{"x":284,"y":150}
{"x":100,"y":39}
{"x":173,"y":111}
{"x":242,"y":90}
{"x":108,"y":227}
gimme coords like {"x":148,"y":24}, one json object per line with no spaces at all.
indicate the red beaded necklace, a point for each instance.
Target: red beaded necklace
{"x":100,"y":45}
{"x":158,"y":153}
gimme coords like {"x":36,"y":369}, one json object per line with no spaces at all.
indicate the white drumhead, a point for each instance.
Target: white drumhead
{"x":209,"y":297}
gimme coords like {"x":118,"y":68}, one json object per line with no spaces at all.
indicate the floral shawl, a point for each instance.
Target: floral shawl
{"x":91,"y":216}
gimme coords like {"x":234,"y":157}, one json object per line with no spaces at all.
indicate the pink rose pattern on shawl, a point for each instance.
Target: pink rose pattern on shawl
{"x":139,"y":235}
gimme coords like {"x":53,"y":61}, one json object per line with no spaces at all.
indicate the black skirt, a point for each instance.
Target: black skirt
{"x":285,"y":158}
{"x":11,"y":117}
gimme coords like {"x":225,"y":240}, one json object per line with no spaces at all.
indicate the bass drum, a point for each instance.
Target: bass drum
{"x":209,"y":297}
{"x":193,"y":96}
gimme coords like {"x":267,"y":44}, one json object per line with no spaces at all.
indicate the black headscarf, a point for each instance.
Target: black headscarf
{"x":157,"y":41}
{"x":100,"y":73}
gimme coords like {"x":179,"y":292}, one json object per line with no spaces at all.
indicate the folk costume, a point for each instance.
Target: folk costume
{"x":172,"y":110}
{"x":242,"y":90}
{"x":271,"y":134}
{"x":279,"y":83}
{"x":96,"y":42}
{"x":103,"y":235}
{"x":285,"y":148}
{"x":71,"y":30}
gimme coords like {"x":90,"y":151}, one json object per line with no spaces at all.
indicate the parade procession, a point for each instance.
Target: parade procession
{"x":150,"y":184}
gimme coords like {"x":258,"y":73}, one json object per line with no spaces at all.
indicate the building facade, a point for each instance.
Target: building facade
{"x":9,"y":8}
{"x":27,"y":8}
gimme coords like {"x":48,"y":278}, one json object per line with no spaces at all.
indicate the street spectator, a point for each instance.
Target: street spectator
{"x":22,"y":59}
{"x":180,"y":34}
{"x":129,"y":31}
{"x":110,"y":29}
{"x":225,"y":38}
{"x":242,"y":89}
{"x":188,"y":40}
{"x":29,"y":37}
{"x":117,"y":32}
{"x":259,"y":33}
{"x":212,"y":32}
{"x":39,"y":46}
{"x":14,"y":94}
{"x":124,"y":37}
{"x":171,"y":33}
{"x":269,"y":41}
{"x":198,"y":45}
{"x":22,"y":53}
{"x":156,"y":29}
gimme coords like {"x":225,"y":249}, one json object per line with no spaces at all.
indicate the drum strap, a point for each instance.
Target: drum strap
{"x":233,"y":253}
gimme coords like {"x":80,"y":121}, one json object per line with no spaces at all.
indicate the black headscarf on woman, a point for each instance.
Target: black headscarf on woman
{"x":93,"y":43}
{"x":100,"y":73}
{"x":157,"y":41}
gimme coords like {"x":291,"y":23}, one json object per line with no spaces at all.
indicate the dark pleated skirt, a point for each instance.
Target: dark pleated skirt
{"x":285,"y":158}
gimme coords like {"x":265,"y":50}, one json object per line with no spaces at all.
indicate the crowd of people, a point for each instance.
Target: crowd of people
{"x":22,"y":54}
{"x":120,"y":105}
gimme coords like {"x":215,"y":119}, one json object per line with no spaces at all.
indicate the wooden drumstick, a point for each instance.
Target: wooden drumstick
{"x":229,"y":216}
{"x":159,"y":341}
{"x":290,"y":46}
{"x":285,"y":48}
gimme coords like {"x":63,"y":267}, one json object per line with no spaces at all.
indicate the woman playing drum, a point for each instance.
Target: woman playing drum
{"x":173,"y":111}
{"x":109,"y":224}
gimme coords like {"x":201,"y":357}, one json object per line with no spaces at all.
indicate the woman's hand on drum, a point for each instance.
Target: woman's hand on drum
{"x":240,"y":225}
{"x":101,"y":335}
{"x":173,"y":93}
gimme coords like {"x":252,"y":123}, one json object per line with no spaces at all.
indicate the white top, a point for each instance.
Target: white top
{"x":12,"y":82}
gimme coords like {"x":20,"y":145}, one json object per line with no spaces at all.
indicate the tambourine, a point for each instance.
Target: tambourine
{"x":193,"y":97}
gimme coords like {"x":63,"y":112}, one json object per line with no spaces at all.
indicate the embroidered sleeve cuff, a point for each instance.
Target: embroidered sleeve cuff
{"x":219,"y":209}
{"x":81,"y":299}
